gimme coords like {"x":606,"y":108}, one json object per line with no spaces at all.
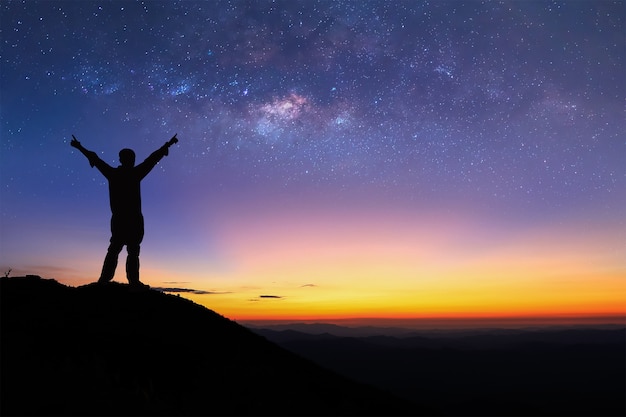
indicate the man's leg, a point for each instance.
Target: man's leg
{"x":135,"y":233}
{"x":132,"y":263}
{"x":110,"y":261}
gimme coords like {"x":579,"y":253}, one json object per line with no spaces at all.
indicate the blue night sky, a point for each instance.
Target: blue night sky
{"x":442,"y":133}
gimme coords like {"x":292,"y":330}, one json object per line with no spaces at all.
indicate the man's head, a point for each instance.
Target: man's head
{"x":127,"y":158}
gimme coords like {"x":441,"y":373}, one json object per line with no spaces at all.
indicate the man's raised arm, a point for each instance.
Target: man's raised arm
{"x":147,"y":165}
{"x":94,"y":159}
{"x":92,"y":156}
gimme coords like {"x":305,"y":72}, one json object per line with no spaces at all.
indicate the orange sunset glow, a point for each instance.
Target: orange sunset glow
{"x":286,"y":261}
{"x":306,"y":264}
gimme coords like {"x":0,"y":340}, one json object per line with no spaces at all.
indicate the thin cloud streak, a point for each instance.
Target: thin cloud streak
{"x":189,"y":290}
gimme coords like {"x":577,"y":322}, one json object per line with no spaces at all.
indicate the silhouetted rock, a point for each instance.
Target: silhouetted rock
{"x":109,"y":350}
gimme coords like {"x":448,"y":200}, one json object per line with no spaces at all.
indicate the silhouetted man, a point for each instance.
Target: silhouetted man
{"x":125,"y":200}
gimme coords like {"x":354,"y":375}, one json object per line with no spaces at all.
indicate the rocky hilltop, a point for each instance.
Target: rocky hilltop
{"x":109,"y":350}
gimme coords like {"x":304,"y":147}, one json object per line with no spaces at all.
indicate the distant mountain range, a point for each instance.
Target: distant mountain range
{"x":315,"y":328}
{"x":498,"y":372}
{"x":109,"y":350}
{"x":459,"y":339}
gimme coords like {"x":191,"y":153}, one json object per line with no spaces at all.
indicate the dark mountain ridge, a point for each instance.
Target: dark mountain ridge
{"x":108,"y":350}
{"x":498,"y":338}
{"x":558,"y":372}
{"x":430,"y":333}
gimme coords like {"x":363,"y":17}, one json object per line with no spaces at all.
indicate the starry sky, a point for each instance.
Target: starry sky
{"x":337,"y":159}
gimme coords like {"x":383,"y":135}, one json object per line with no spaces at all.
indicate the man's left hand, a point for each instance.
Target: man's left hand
{"x":74,"y":142}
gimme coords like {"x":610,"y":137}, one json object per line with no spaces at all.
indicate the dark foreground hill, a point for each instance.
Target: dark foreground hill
{"x":96,"y":350}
